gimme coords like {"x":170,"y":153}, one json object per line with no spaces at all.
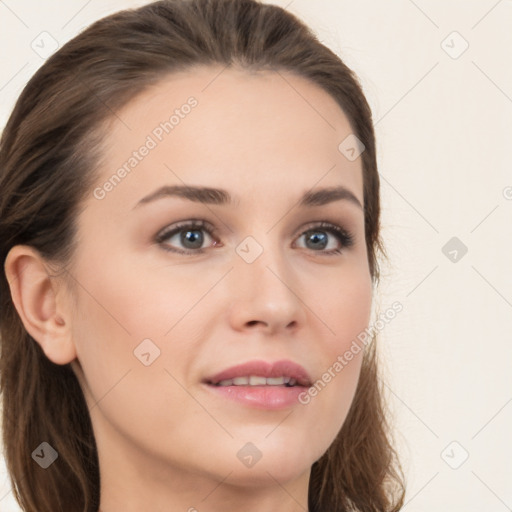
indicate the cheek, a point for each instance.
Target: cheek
{"x":126,"y":319}
{"x":123,"y":304}
{"x":344,"y":306}
{"x":345,"y":311}
{"x":128,"y":302}
{"x":351,"y":315}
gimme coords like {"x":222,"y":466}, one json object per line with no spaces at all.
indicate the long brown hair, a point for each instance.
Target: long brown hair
{"x":49,"y":151}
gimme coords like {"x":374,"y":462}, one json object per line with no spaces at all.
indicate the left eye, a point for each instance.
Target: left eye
{"x":317,"y":236}
{"x":190,"y":235}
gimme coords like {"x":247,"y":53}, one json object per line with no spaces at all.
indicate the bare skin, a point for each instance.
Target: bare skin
{"x":166,"y":442}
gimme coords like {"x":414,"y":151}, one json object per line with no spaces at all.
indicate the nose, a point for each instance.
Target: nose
{"x":265,"y":295}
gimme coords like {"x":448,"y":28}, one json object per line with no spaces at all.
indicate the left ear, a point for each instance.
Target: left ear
{"x":40,"y":303}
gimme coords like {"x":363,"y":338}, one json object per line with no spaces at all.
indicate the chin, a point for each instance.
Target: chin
{"x":269,"y":460}
{"x":268,"y":473}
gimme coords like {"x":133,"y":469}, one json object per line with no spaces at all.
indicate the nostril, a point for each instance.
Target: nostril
{"x":256,"y":322}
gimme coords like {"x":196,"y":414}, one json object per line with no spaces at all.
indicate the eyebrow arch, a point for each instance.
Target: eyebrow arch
{"x":219,"y":196}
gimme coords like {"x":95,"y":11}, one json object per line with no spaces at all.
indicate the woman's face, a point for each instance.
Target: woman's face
{"x":161,"y":315}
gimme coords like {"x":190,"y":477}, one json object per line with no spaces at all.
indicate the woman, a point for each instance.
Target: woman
{"x":189,"y":230}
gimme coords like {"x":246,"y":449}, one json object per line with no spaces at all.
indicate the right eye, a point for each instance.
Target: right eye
{"x":190,"y":236}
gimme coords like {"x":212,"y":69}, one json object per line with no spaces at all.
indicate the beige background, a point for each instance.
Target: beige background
{"x":444,"y":131}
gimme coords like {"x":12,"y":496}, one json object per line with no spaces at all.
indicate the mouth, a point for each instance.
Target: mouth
{"x":256,"y":380}
{"x":260,"y":384}
{"x":261,"y":373}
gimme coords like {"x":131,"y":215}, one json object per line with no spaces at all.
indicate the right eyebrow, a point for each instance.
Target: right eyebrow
{"x":198,"y":194}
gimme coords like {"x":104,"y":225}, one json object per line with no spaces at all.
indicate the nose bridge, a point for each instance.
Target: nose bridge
{"x":270,"y":272}
{"x":264,"y":282}
{"x":260,"y":258}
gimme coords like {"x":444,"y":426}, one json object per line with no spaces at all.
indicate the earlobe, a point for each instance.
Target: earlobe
{"x":35,"y":295}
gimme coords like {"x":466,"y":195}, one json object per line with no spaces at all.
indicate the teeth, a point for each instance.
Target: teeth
{"x":257,"y":381}
{"x":275,"y":381}
{"x":254,"y":380}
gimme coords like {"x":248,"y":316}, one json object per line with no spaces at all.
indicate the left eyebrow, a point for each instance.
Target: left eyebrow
{"x":328,"y":195}
{"x":218,"y":196}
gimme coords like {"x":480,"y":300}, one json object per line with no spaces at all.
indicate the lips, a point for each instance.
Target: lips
{"x":262,"y":373}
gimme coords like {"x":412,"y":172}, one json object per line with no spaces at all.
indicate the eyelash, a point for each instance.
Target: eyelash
{"x":345,"y":238}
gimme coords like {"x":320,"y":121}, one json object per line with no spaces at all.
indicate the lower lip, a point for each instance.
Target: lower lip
{"x":261,"y":397}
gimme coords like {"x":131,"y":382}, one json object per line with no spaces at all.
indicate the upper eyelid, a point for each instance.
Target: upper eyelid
{"x":198,"y":224}
{"x":176,"y":227}
{"x":204,"y":224}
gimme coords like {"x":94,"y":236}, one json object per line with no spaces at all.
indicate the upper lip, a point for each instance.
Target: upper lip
{"x":282,"y":368}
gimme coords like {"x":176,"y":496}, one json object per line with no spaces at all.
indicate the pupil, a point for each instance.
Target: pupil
{"x":194,"y":237}
{"x":315,"y":238}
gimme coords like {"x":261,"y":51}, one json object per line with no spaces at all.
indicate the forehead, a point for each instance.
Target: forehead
{"x":250,"y":132}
